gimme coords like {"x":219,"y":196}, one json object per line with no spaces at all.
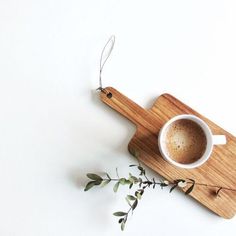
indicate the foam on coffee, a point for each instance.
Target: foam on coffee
{"x":185,"y":141}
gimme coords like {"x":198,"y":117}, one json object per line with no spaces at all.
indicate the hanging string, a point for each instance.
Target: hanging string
{"x":106,"y":52}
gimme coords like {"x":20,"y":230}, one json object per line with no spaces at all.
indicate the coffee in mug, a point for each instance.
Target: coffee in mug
{"x":186,"y":141}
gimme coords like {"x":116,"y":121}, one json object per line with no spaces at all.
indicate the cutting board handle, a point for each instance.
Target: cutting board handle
{"x":123,"y":105}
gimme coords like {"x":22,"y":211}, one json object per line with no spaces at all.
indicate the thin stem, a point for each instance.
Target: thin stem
{"x":146,"y":177}
{"x":172,"y":183}
{"x":112,"y":179}
{"x":213,"y":186}
{"x":131,"y":207}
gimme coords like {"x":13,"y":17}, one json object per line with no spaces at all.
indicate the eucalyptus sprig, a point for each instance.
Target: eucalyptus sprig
{"x":142,"y":182}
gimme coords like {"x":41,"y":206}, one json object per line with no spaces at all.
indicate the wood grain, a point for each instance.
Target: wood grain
{"x":219,"y":170}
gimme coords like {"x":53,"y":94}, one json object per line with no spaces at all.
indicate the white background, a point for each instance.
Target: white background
{"x":54,"y":129}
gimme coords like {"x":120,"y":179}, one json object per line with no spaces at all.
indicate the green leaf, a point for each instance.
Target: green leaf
{"x":108,"y":176}
{"x":127,"y":200}
{"x":116,"y":186}
{"x":90,"y":185}
{"x":119,"y":213}
{"x":122,"y":181}
{"x":125,"y":218}
{"x":140,"y":168}
{"x":122,"y":226}
{"x":163,"y":185}
{"x":140,"y":182}
{"x":134,"y":204}
{"x":189,"y":190}
{"x":120,"y":220}
{"x":131,"y":198}
{"x":130,"y":186}
{"x":117,"y":173}
{"x":138,"y":195}
{"x":141,"y":191}
{"x":132,"y":165}
{"x":127,"y":182}
{"x":94,"y":176}
{"x":133,"y":179}
{"x":142,"y":171}
{"x":105,"y":182}
{"x":173,"y":187}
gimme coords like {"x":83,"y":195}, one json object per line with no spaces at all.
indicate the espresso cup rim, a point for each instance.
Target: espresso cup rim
{"x":207,"y":132}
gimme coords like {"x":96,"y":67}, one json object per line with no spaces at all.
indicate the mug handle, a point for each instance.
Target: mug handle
{"x":219,"y":139}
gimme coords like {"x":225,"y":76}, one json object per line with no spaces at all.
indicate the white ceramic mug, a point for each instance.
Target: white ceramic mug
{"x":210,"y":138}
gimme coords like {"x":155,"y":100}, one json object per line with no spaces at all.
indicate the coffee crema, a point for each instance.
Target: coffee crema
{"x":185,"y":141}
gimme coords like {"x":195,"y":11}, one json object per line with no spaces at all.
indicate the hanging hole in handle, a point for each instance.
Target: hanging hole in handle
{"x":109,"y":95}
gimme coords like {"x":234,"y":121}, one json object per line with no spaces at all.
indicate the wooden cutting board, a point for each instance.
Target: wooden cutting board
{"x":219,"y":170}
